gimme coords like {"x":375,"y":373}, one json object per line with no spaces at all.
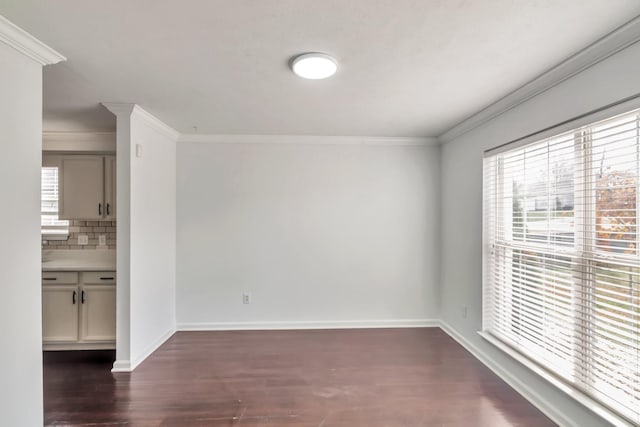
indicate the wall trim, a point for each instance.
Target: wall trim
{"x":306,"y":139}
{"x":155,"y":123}
{"x":591,"y":404}
{"x":121,"y":366}
{"x":153,"y":347}
{"x":129,"y":109}
{"x":312,"y":324}
{"x":119,"y":108}
{"x":76,"y":346}
{"x":537,"y":400}
{"x":77,"y":141}
{"x":612,"y":43}
{"x":28,"y":45}
{"x":130,"y":365}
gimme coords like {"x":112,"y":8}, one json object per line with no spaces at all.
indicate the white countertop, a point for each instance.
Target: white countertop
{"x":79,"y":260}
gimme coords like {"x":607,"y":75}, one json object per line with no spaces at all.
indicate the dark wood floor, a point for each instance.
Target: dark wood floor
{"x":321,"y":378}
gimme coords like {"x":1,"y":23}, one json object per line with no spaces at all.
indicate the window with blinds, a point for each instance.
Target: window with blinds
{"x":561,"y":263}
{"x":49,"y":223}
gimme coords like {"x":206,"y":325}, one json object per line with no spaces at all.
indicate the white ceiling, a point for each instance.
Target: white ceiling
{"x":407,"y":67}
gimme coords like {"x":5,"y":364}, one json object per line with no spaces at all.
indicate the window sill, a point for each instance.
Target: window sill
{"x":591,"y":404}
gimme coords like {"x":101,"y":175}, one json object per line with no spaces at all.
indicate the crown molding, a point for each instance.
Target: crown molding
{"x":603,"y":48}
{"x":79,"y":141}
{"x":130,"y":110}
{"x":119,"y":108}
{"x":26,"y":44}
{"x":155,"y":123}
{"x":307,"y":139}
{"x":77,"y":136}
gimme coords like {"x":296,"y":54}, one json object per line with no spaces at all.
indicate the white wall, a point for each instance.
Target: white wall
{"x":320,"y":234}
{"x":609,"y":81}
{"x":152,"y":234}
{"x":20,"y":303}
{"x":146,"y":255}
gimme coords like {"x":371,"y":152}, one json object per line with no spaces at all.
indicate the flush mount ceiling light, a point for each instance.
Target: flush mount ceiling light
{"x":314,"y":65}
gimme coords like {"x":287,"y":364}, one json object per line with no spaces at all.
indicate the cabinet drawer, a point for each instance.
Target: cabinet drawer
{"x":59,"y":277}
{"x":98,"y":277}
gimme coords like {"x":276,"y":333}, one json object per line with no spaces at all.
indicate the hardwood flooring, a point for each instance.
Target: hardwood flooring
{"x":319,"y":378}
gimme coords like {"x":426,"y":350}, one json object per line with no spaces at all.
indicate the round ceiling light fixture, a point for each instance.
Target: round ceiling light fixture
{"x":314,"y":65}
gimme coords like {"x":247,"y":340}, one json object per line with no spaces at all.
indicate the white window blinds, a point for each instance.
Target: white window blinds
{"x":561,"y":264}
{"x":50,"y":224}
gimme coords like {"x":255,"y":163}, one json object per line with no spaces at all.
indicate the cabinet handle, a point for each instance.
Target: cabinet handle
{"x":49,"y":278}
{"x":73,"y":298}
{"x":100,"y":209}
{"x":108,"y":209}
{"x":106,"y":278}
{"x":82,"y":297}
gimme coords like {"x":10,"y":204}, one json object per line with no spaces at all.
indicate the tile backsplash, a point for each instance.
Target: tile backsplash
{"x":92,"y":229}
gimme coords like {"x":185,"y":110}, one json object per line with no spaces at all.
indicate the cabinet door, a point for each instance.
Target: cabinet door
{"x":110,"y":187}
{"x":59,"y":313}
{"x":98,"y":313}
{"x":82,"y":187}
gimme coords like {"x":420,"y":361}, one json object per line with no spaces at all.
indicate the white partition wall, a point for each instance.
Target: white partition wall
{"x":22,"y":58}
{"x":146,"y":180}
{"x":153,"y":234}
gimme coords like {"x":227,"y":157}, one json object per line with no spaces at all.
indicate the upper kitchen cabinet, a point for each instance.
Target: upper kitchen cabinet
{"x":110,"y":186}
{"x":87,"y":187}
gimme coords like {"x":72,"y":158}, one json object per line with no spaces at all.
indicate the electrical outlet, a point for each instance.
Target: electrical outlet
{"x":246,"y":298}
{"x":464,"y":311}
{"x":102,"y":240}
{"x":83,"y":239}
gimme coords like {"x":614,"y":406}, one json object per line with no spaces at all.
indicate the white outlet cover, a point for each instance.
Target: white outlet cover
{"x":83,"y":239}
{"x":102,"y":240}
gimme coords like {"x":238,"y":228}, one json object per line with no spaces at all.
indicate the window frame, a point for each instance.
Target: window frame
{"x":52,"y":161}
{"x":586,"y":182}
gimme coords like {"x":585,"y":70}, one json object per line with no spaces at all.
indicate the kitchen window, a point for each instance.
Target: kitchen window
{"x":561,"y":279}
{"x":52,"y":228}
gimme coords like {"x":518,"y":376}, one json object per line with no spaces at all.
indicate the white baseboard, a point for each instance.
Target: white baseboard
{"x":537,"y":400}
{"x":129,"y":365}
{"x":313,"y":324}
{"x":121,"y":366}
{"x":79,"y":346}
{"x":153,"y":347}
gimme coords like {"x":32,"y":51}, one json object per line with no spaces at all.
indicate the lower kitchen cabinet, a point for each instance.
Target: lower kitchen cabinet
{"x":78,"y":310}
{"x":98,"y":307}
{"x":59,"y":313}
